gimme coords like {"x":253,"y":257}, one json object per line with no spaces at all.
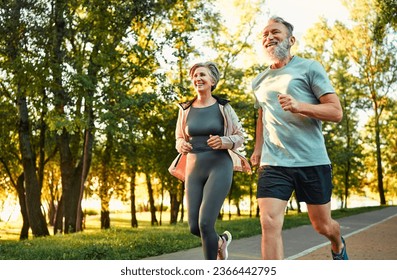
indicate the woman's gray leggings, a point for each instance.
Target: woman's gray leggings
{"x":208,"y":179}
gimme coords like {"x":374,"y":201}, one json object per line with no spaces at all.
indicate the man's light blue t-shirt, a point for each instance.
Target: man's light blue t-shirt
{"x":292,"y":140}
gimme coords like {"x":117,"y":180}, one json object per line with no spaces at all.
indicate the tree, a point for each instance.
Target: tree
{"x":386,"y":18}
{"x":364,"y":72}
{"x":10,"y":168}
{"x":389,"y":130}
{"x":376,"y":65}
{"x":388,"y":152}
{"x":23,"y":87}
{"x":90,"y":39}
{"x":326,"y":45}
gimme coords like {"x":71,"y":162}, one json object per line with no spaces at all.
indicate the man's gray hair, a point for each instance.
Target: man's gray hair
{"x":289,"y":26}
{"x":213,"y":70}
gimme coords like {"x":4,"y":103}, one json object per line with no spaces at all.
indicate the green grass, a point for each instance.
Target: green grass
{"x":123,"y":243}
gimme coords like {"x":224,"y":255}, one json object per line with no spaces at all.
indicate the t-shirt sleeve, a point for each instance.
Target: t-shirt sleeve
{"x":255,"y":85}
{"x":319,"y":80}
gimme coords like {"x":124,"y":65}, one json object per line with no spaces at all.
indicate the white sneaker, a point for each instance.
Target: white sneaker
{"x":226,"y":240}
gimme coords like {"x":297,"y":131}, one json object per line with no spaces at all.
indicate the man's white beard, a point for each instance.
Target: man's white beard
{"x":278,"y":54}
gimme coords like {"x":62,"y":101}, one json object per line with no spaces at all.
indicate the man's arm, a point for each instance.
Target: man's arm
{"x":256,"y":155}
{"x":329,"y":108}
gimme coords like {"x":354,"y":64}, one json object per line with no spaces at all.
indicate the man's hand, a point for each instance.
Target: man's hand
{"x":288,"y":103}
{"x":255,"y":158}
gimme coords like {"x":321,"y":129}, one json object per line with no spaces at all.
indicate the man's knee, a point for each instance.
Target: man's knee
{"x":272,"y":215}
{"x":269,"y":223}
{"x":326,"y":229}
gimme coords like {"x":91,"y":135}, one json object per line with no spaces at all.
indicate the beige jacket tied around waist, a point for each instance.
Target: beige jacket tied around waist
{"x":233,"y":136}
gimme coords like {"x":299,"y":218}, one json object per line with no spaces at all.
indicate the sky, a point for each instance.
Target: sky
{"x":303,"y":14}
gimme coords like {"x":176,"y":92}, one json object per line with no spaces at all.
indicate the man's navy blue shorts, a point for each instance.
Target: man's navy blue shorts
{"x":312,"y":184}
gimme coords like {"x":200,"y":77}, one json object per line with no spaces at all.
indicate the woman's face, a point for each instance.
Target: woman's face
{"x":202,"y":80}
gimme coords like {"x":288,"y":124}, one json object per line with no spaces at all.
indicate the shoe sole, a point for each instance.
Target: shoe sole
{"x":229,"y":240}
{"x":229,"y":237}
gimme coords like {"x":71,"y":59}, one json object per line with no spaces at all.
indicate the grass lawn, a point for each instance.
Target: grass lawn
{"x":124,"y":243}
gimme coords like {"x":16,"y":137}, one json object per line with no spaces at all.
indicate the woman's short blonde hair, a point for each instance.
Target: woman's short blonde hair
{"x":213,"y":70}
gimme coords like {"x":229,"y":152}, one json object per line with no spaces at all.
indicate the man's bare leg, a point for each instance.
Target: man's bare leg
{"x":322,"y":222}
{"x":272,"y":218}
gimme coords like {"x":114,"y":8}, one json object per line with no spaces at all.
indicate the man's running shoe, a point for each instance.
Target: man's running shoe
{"x":342,"y":255}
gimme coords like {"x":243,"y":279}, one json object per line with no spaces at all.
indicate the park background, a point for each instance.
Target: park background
{"x":89,"y":93}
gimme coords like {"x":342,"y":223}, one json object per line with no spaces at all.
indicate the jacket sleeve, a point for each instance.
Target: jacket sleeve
{"x":234,"y":136}
{"x":179,"y":135}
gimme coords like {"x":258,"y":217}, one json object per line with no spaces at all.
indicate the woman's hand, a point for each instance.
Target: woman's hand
{"x":215,"y":142}
{"x":186,"y":147}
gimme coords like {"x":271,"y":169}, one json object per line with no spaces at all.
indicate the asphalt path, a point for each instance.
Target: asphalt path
{"x":369,"y":236}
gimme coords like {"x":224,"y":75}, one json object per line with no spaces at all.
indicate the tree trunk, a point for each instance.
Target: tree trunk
{"x":134,"y":221}
{"x":20,"y":188}
{"x":232,"y":187}
{"x":105,"y":213}
{"x":182,"y":194}
{"x":104,"y":187}
{"x":72,"y":196}
{"x":24,"y":211}
{"x":251,"y":199}
{"x":84,"y":172}
{"x":52,"y":204}
{"x":257,"y":212}
{"x":73,"y":179}
{"x":379,"y":161}
{"x":347,"y":177}
{"x":70,"y":184}
{"x":162,"y":203}
{"x":174,"y":207}
{"x":58,"y":222}
{"x":348,"y":148}
{"x":238,"y":210}
{"x":151,"y":200}
{"x":37,"y":220}
{"x":105,"y":219}
{"x":176,"y":200}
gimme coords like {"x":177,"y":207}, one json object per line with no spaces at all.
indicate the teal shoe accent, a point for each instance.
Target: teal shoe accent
{"x":343,"y":255}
